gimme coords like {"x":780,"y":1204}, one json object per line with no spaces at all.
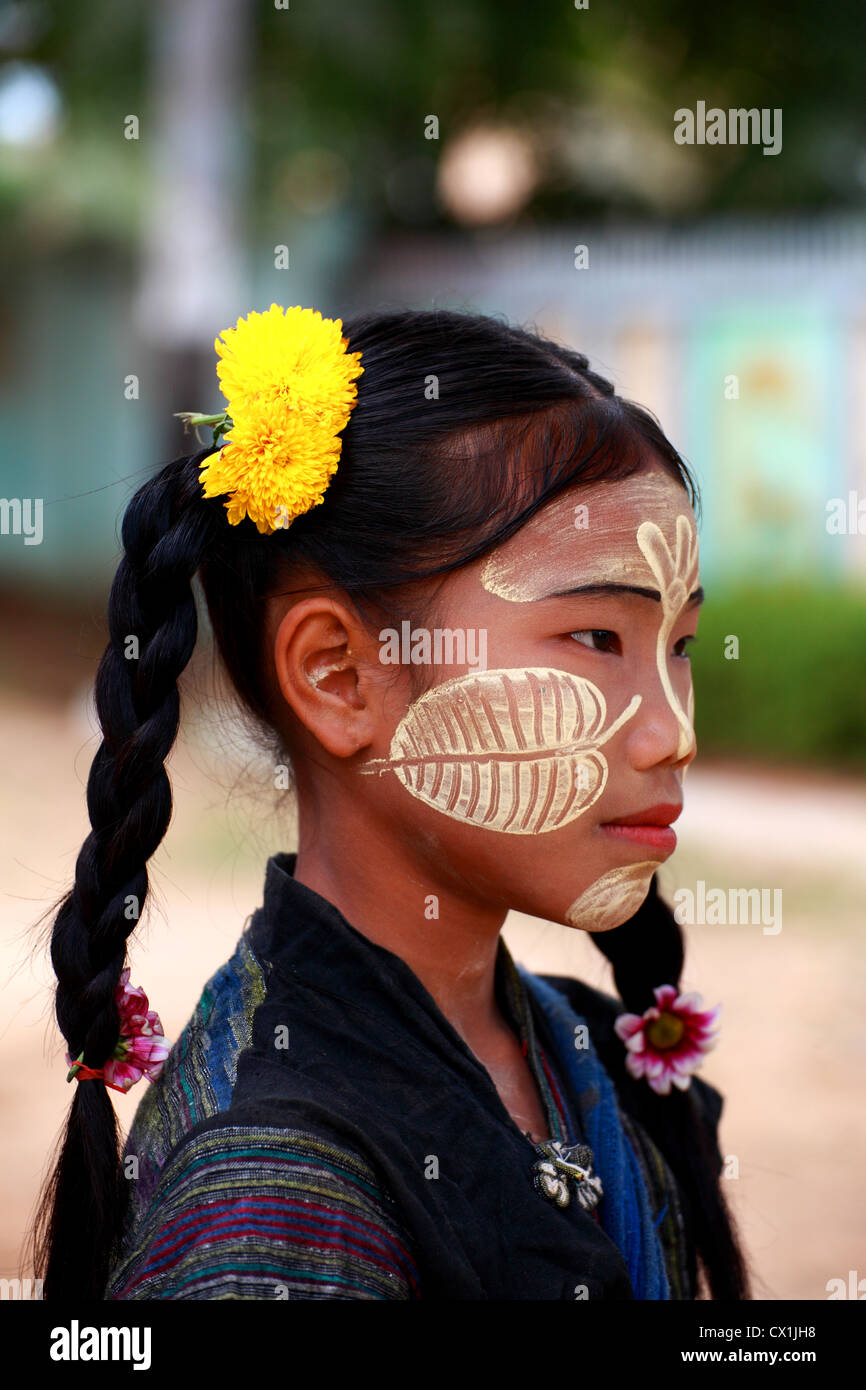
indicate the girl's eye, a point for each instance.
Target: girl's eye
{"x":601,"y":639}
{"x":683,"y":654}
{"x":598,"y":639}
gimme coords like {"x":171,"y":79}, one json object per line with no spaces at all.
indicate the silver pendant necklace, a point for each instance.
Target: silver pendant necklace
{"x":565,"y":1167}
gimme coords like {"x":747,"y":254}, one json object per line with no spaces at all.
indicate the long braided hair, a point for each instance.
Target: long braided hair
{"x":427,"y":482}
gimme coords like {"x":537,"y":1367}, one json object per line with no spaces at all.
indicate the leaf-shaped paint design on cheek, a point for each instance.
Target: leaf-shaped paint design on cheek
{"x":514,"y":751}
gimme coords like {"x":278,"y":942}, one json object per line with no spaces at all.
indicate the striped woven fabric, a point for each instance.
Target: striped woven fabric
{"x":199,"y":1073}
{"x":235,"y":1212}
{"x":243,"y":1213}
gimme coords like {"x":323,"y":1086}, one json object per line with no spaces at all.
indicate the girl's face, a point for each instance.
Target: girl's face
{"x":557,"y":699}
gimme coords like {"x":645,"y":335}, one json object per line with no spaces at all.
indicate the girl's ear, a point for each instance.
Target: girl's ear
{"x":322,"y":658}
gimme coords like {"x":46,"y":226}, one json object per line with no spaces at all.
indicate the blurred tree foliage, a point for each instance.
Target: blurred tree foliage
{"x":340,"y":90}
{"x":795,"y":692}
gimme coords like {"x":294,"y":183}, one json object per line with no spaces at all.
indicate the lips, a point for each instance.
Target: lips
{"x":649,"y":828}
{"x":662,"y":814}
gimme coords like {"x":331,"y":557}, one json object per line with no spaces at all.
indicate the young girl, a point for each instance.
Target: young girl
{"x":453,"y":577}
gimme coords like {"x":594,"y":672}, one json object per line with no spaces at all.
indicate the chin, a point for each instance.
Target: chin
{"x":613,"y":898}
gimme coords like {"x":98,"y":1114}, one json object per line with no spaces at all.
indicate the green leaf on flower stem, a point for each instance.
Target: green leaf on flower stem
{"x":220,"y":422}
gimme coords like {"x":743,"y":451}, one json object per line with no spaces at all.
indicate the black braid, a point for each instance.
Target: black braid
{"x":167,"y":530}
{"x":647,"y":951}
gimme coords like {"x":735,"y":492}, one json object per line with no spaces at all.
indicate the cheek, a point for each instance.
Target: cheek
{"x":516,"y":752}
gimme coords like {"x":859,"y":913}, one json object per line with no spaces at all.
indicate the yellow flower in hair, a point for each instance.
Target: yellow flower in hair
{"x":290,"y":387}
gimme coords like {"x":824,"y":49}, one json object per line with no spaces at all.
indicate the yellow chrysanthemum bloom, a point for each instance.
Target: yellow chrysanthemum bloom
{"x":290,"y":387}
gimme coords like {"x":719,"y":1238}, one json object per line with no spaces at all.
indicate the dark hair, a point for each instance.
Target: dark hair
{"x":463,"y":428}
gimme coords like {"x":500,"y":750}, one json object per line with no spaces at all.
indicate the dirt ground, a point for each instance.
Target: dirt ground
{"x":792,"y":1052}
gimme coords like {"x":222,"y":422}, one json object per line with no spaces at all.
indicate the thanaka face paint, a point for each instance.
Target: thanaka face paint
{"x":516,"y":772}
{"x":672,"y":568}
{"x":514,"y":751}
{"x":553,"y":556}
{"x":612,"y":898}
{"x":677,"y":575}
{"x":327,"y":669}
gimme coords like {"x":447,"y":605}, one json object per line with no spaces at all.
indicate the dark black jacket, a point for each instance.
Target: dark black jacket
{"x":373,"y":1064}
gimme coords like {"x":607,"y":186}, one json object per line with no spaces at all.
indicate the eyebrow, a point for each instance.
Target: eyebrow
{"x":615,"y":590}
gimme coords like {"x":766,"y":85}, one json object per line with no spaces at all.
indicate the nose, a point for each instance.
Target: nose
{"x":662,"y":731}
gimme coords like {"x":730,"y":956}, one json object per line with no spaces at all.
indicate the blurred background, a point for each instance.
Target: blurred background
{"x":166,"y":168}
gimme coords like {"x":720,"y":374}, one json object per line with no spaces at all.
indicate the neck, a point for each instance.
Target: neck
{"x":393,"y":897}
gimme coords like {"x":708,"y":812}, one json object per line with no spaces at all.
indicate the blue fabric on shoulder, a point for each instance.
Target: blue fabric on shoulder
{"x":625,"y":1211}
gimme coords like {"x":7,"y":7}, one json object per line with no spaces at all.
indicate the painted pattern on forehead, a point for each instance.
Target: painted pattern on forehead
{"x":516,"y":751}
{"x":664,"y":556}
{"x":552,"y":553}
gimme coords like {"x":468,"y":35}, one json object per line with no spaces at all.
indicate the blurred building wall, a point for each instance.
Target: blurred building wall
{"x":747,"y":341}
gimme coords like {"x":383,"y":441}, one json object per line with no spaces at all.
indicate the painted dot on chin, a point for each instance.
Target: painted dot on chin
{"x":612,"y":899}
